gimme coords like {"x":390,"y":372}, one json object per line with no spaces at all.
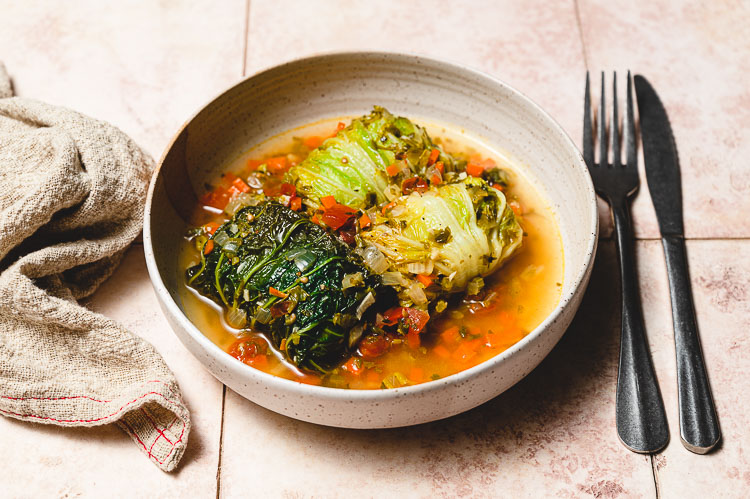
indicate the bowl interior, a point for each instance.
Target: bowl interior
{"x":330,"y":86}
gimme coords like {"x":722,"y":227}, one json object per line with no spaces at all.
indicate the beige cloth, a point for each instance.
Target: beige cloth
{"x":71,"y":201}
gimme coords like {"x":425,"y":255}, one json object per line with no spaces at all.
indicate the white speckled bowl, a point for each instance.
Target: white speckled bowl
{"x":328,"y":86}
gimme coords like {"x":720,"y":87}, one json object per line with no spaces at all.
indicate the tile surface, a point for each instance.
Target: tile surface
{"x":144,"y":66}
{"x":71,"y":462}
{"x":552,"y":434}
{"x":719,"y":276}
{"x":697,"y":57}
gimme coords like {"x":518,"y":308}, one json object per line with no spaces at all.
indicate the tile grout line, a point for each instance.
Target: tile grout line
{"x":655,"y":475}
{"x":580,"y":34}
{"x":245,"y":41}
{"x":221,"y":441}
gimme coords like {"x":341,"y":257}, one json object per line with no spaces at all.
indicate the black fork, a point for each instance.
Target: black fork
{"x":641,"y":420}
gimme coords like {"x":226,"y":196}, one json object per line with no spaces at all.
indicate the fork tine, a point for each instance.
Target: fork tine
{"x":631,"y":151}
{"x":602,"y":128}
{"x":615,"y":125}
{"x":588,"y":135}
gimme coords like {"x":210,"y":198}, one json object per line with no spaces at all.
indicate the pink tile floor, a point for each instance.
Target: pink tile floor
{"x":147,"y":66}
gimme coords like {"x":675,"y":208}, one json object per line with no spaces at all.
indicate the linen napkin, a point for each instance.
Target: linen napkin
{"x":72,"y":191}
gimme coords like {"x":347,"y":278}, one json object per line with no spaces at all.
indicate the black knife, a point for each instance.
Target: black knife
{"x":699,"y":425}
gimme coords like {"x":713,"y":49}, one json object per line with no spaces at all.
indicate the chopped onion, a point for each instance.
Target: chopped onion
{"x":392,"y":192}
{"x":398,"y":210}
{"x":355,"y":334}
{"x":393,"y":279}
{"x":239,"y":201}
{"x":237,"y":318}
{"x":263,"y":315}
{"x":421,"y":267}
{"x":416,"y":294}
{"x":304,"y":260}
{"x":374,"y":259}
{"x":352,"y":280}
{"x":368,"y":300}
{"x":221,"y":238}
{"x":231,"y":246}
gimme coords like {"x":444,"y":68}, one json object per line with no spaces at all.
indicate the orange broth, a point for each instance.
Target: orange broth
{"x":517,"y":298}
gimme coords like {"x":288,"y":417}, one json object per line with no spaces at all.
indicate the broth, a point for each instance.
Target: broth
{"x":516,"y":299}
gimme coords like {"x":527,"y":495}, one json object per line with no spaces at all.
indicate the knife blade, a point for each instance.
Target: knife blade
{"x":699,"y":424}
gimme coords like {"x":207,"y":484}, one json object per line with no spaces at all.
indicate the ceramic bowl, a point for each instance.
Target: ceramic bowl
{"x":329,"y":86}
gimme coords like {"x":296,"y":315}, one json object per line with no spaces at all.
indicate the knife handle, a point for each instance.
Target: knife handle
{"x":641,"y":419}
{"x":699,"y":424}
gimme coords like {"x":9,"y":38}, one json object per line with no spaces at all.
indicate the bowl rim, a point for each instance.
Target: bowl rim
{"x":304,"y":389}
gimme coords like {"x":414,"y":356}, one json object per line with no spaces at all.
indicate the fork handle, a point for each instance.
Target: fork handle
{"x":699,"y":425}
{"x":641,"y":420}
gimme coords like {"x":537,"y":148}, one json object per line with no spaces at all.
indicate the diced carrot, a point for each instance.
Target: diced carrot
{"x":388,"y":207}
{"x":498,"y":187}
{"x":282,"y":346}
{"x":313,"y":142}
{"x":295,"y":203}
{"x":341,"y":125}
{"x":315,"y":219}
{"x":450,"y":335}
{"x":474,"y":170}
{"x":240,"y":185}
{"x":278,"y":164}
{"x":275,"y":292}
{"x":218,"y":198}
{"x":434,"y":154}
{"x":373,"y":376}
{"x":392,"y":169}
{"x":441,"y":352}
{"x":412,"y":339}
{"x":328,"y":201}
{"x":416,"y":374}
{"x":210,"y":228}
{"x":492,"y":340}
{"x":516,"y":207}
{"x":253,"y":164}
{"x":465,"y":351}
{"x":435,"y":180}
{"x":440,"y":166}
{"x":209,"y":247}
{"x":425,"y":279}
{"x":288,"y":189}
{"x":364,"y":221}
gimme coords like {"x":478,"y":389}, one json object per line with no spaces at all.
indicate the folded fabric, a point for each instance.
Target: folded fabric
{"x":72,"y":191}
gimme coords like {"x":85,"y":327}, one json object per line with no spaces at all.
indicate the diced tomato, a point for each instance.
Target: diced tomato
{"x":434,"y":154}
{"x":425,"y":279}
{"x":393,"y":169}
{"x":353,"y":366}
{"x":498,"y":187}
{"x":313,"y":142}
{"x":337,"y":215}
{"x":240,"y":185}
{"x":416,"y":319}
{"x":414,"y":184}
{"x":364,"y":221}
{"x":392,"y":315}
{"x":218,"y":198}
{"x":295,"y":203}
{"x":440,"y":167}
{"x":249,"y":350}
{"x":211,"y":228}
{"x":348,"y":232}
{"x":278,"y":164}
{"x":288,"y":189}
{"x":315,"y":219}
{"x":373,"y":346}
{"x":209,"y":247}
{"x":328,"y":201}
{"x":272,"y":186}
{"x":474,"y":170}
